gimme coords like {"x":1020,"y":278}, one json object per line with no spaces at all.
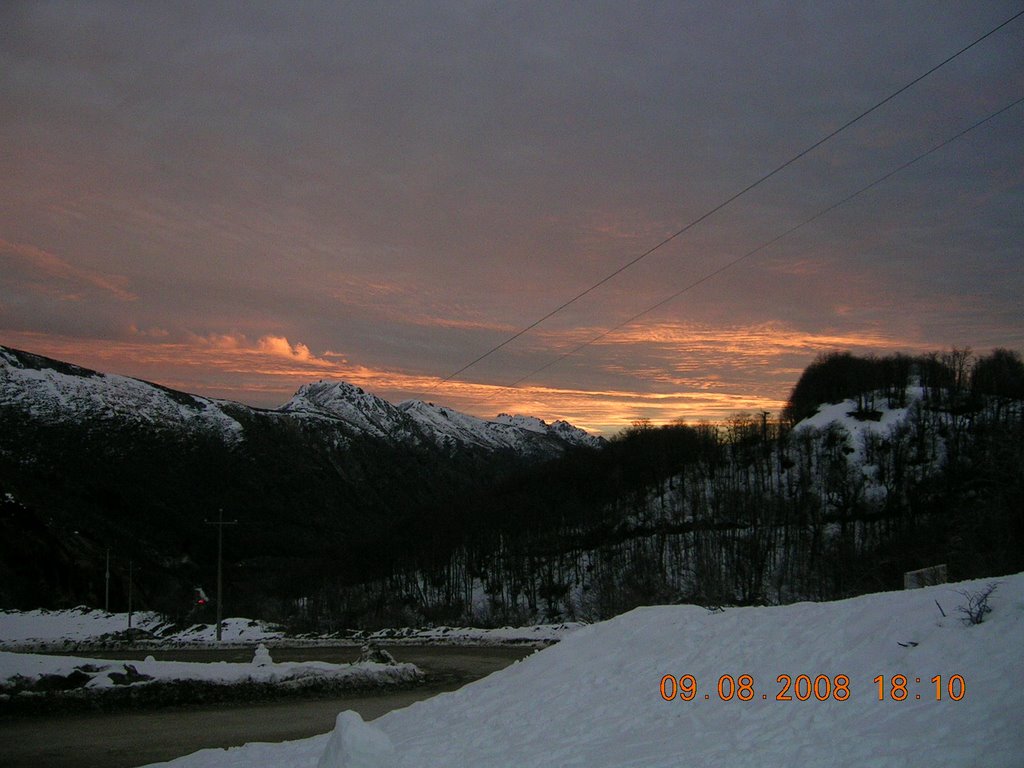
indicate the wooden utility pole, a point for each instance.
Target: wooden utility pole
{"x":106,"y":590}
{"x":130,"y":594}
{"x":220,"y":523}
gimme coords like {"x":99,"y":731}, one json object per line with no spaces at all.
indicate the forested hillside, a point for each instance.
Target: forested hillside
{"x":877,"y":466}
{"x":920,"y":461}
{"x":337,"y":486}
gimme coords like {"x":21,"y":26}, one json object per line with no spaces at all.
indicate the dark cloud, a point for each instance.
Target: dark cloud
{"x":409,"y":182}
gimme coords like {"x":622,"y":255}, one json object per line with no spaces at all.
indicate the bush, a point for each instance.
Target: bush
{"x":977,"y":605}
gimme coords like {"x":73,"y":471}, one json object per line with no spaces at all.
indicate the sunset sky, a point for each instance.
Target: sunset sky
{"x":237,"y":198}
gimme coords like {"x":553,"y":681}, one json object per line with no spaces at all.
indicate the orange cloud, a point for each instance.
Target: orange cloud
{"x":271,"y":368}
{"x":763,"y":339}
{"x":57,"y":268}
{"x":279,"y":345}
{"x":674,"y":370}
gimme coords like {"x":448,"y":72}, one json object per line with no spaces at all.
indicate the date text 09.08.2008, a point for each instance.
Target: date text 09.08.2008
{"x":819,"y":688}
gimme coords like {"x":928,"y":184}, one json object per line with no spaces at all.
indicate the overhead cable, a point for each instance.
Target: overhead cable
{"x":724,"y":203}
{"x":768,"y":243}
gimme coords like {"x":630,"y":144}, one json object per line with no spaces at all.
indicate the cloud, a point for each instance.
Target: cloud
{"x":347,"y":191}
{"x":279,"y":345}
{"x":60,"y":274}
{"x":267,"y":370}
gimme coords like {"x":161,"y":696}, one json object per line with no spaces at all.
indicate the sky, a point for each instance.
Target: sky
{"x":238,"y":198}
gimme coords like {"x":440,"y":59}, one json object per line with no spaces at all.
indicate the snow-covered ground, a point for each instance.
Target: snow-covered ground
{"x":843,"y":413}
{"x":23,"y":670}
{"x":234,"y":630}
{"x":88,"y":627}
{"x":43,"y":627}
{"x":22,"y":630}
{"x":596,"y":698}
{"x":539,"y":633}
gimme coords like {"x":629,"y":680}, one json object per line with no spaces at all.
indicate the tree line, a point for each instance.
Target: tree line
{"x":752,"y":511}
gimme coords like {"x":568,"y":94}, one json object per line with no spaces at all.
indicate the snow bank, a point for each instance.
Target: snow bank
{"x":595,"y":699}
{"x":21,"y":670}
{"x":88,"y":627}
{"x":539,"y":633}
{"x":233,"y":630}
{"x":354,"y":744}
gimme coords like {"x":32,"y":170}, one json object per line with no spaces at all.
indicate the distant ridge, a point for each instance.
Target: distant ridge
{"x":56,"y":391}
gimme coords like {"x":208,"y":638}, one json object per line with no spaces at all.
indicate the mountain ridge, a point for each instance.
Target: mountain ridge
{"x":51,"y":389}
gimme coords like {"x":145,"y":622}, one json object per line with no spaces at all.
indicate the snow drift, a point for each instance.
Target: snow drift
{"x":595,"y":699}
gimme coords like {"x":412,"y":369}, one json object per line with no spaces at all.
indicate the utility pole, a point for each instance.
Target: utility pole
{"x":220,"y":523}
{"x":106,"y":591}
{"x":129,"y":594}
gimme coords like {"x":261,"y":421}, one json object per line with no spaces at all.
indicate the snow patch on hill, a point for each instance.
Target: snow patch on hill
{"x":845,"y":414}
{"x":595,"y":699}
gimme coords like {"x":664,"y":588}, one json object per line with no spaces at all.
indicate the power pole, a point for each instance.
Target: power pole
{"x":129,"y":594}
{"x":106,"y":591}
{"x":220,"y":523}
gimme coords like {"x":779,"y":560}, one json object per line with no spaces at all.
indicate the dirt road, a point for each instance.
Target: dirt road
{"x":128,"y":739}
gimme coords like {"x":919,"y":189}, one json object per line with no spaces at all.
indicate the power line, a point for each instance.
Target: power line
{"x":758,"y":249}
{"x":724,"y":203}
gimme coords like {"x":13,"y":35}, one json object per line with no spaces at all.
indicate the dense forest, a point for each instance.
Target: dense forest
{"x":754,"y":511}
{"x":924,"y":467}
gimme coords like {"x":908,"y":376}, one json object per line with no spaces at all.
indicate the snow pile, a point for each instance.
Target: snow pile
{"x":233,"y":630}
{"x":23,"y":671}
{"x":354,"y":744}
{"x":595,"y":699}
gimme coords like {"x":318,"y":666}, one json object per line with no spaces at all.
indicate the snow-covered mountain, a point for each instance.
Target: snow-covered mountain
{"x":418,"y":423}
{"x":53,"y":391}
{"x":356,"y":409}
{"x":448,"y":428}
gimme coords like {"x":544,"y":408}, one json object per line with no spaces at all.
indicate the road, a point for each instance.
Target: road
{"x":133,"y":738}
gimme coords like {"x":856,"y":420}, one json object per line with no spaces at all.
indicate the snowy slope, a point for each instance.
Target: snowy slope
{"x":450,"y":429}
{"x":841,"y":413}
{"x":54,"y":392}
{"x":360,"y":410}
{"x":416,"y":422}
{"x":595,"y":698}
{"x":70,"y":625}
{"x":51,"y":391}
